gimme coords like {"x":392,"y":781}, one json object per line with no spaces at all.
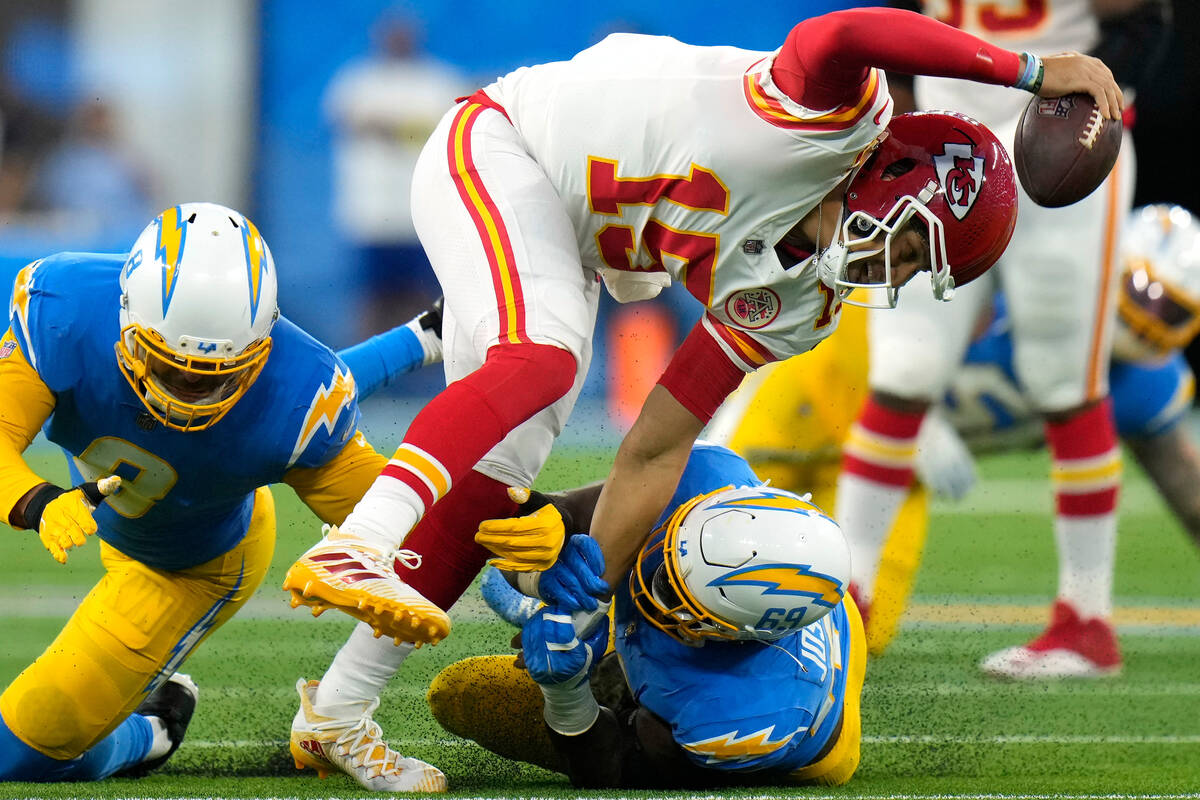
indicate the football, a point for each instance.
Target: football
{"x":1064,"y":148}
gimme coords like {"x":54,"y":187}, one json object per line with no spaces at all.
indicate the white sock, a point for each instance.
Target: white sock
{"x":358,"y":673}
{"x":161,"y":742}
{"x":1086,"y":561}
{"x":386,"y":513}
{"x":866,"y":511}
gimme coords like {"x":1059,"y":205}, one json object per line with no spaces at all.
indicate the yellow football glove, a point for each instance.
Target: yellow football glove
{"x":64,"y":518}
{"x":524,"y":544}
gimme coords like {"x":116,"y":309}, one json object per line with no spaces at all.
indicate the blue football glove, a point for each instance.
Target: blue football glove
{"x":574,"y":581}
{"x":554,"y":654}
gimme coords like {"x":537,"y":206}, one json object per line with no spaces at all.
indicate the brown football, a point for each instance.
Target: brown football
{"x":1064,"y":149}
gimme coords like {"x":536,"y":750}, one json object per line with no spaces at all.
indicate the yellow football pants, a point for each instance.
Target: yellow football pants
{"x":488,"y":700}
{"x":837,"y":766}
{"x":131,"y":632}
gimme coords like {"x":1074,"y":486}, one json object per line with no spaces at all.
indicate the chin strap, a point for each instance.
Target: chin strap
{"x":830,"y":263}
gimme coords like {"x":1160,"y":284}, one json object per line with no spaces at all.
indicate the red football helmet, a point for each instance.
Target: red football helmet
{"x":949,"y":171}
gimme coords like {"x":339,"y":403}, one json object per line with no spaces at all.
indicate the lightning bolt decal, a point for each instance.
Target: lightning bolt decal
{"x":772,"y":501}
{"x":785,"y":579}
{"x":325,"y":409}
{"x":731,"y":747}
{"x":256,"y":262}
{"x":19,"y":307}
{"x":172,"y":236}
{"x":187,"y":643}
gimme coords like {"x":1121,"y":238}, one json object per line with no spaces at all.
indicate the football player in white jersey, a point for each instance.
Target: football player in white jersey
{"x":1059,"y":277}
{"x":766,"y":183}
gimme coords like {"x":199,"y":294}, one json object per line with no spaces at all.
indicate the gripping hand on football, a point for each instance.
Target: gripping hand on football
{"x":524,"y":544}
{"x":553,"y":652}
{"x":63,"y":517}
{"x":1066,"y":73}
{"x":574,"y":581}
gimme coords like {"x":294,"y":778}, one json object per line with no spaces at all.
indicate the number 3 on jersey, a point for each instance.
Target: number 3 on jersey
{"x":994,"y":16}
{"x":699,"y":190}
{"x":145,"y":478}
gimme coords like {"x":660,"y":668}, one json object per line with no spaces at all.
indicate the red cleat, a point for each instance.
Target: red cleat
{"x":1070,"y":647}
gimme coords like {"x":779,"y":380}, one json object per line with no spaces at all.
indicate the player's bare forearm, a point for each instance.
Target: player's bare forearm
{"x":1173,"y":463}
{"x":578,"y":506}
{"x":644,"y":476}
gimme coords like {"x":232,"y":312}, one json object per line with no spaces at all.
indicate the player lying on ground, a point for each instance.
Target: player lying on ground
{"x":790,"y":421}
{"x":1059,"y":277}
{"x":746,"y":662}
{"x":209,"y":397}
{"x":767,"y":184}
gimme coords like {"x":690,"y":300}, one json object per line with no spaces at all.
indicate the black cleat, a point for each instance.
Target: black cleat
{"x":174,"y":703}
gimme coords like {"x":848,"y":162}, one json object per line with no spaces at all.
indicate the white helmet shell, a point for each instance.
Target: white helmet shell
{"x":1168,"y":238}
{"x":741,"y":563}
{"x":1159,"y":302}
{"x":198,"y":301}
{"x":202,"y":278}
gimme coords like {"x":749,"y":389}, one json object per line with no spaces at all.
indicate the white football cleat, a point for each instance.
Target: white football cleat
{"x":355,"y":747}
{"x":346,"y":572}
{"x":1069,"y":648}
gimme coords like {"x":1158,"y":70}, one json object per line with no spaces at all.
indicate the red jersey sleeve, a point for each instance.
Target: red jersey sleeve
{"x":826,"y":59}
{"x":702,"y":373}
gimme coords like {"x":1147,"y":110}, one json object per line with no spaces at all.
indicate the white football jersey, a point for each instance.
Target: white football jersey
{"x":1042,"y":27}
{"x":683,"y":161}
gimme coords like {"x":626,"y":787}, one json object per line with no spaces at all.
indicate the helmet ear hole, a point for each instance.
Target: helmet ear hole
{"x":898,"y":168}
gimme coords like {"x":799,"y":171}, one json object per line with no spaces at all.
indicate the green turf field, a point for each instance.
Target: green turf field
{"x":932,"y":725}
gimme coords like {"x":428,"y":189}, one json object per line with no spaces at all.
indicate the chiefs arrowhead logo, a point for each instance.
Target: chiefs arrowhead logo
{"x":960,"y":172}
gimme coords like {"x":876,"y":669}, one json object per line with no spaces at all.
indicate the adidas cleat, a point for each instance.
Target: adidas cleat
{"x":344,"y":572}
{"x":1070,"y":647}
{"x":355,"y":747}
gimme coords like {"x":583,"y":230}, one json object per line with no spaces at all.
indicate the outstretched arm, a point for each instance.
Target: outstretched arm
{"x":825,"y":59}
{"x":655,"y":452}
{"x":405,"y":348}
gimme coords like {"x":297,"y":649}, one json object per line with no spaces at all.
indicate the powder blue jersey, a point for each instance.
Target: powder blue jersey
{"x":186,"y":497}
{"x":742,"y":706}
{"x":1149,"y":398}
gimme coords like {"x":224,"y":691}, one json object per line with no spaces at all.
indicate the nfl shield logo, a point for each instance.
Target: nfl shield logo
{"x":7,"y":349}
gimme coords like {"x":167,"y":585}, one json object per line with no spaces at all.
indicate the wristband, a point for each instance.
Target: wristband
{"x":571,"y":709}
{"x":527,"y":583}
{"x":31,"y":517}
{"x":1032,"y":73}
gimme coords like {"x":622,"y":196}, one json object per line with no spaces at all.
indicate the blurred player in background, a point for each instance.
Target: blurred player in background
{"x":1158,"y":314}
{"x":733,"y":635}
{"x":383,"y":108}
{"x":1059,"y":277}
{"x":751,"y":178}
{"x":210,"y":396}
{"x":791,"y":420}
